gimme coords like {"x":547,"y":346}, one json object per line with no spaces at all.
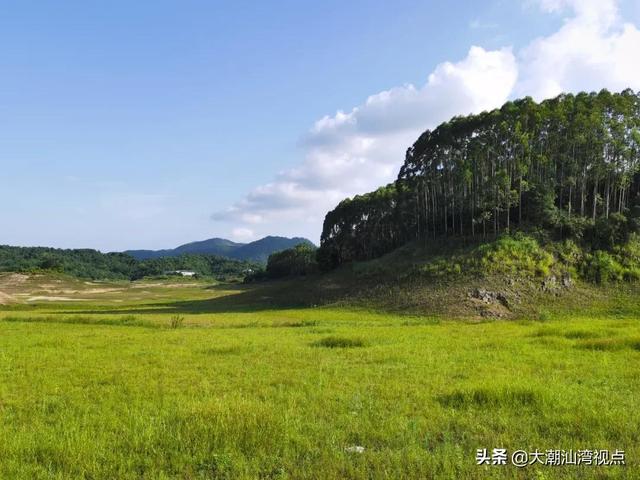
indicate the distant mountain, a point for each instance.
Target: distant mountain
{"x":258,"y":251}
{"x":213,"y":246}
{"x":261,"y":249}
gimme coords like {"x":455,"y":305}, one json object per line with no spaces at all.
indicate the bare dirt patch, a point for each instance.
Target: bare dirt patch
{"x":103,"y":290}
{"x":13,"y":279}
{"x":47,"y":298}
{"x":5,"y":298}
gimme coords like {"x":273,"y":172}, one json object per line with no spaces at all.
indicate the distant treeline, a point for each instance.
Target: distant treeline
{"x":568,"y":165}
{"x":91,"y":264}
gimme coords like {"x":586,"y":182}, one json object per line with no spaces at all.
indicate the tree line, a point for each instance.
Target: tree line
{"x":292,"y":262}
{"x":564,"y":165}
{"x":92,"y":264}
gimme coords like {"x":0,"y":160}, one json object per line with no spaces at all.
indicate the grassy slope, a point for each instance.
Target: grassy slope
{"x":104,"y":389}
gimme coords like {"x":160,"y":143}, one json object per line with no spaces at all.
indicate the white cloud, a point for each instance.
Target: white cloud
{"x":243,"y":234}
{"x":593,"y":49}
{"x":357,"y":151}
{"x":360,"y":150}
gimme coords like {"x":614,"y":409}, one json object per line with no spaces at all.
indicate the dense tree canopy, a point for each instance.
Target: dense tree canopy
{"x":292,"y":262}
{"x":562,"y":164}
{"x":91,"y":264}
{"x":299,"y":260}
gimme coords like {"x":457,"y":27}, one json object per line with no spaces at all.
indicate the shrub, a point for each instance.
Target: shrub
{"x":340,"y":342}
{"x":518,"y":254}
{"x":176,"y":321}
{"x":609,"y":232}
{"x":575,"y":226}
{"x":632,"y":274}
{"x":257,"y":275}
{"x":601,"y":267}
{"x":569,"y":253}
{"x":629,"y":253}
{"x":444,"y":267}
{"x":621,"y":263}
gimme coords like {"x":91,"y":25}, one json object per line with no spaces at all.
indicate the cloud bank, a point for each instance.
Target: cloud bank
{"x":357,"y":151}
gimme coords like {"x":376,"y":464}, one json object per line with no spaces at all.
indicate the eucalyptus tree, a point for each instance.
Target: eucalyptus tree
{"x":573,"y":158}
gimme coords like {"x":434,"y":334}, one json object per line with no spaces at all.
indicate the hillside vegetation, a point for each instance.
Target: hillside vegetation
{"x":566,"y":167}
{"x":513,"y":276}
{"x":91,"y":264}
{"x":136,"y":264}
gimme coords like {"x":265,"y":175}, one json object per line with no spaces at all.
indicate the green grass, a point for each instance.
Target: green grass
{"x":102,"y":389}
{"x":340,"y":342}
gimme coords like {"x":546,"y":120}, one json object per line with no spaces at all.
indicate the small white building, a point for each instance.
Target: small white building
{"x":185,"y":273}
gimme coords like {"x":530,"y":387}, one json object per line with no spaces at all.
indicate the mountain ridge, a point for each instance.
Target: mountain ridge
{"x":258,"y":250}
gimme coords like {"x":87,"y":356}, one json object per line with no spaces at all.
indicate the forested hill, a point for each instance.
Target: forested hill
{"x":257,"y":251}
{"x":568,"y":165}
{"x":212,"y":246}
{"x":91,"y":264}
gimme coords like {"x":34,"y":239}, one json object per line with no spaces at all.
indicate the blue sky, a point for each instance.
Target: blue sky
{"x":150,"y":124}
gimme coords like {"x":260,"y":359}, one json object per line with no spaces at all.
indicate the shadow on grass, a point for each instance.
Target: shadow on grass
{"x":281,"y":295}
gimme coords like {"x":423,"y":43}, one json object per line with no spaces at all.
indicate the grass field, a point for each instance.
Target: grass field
{"x":186,"y":380}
